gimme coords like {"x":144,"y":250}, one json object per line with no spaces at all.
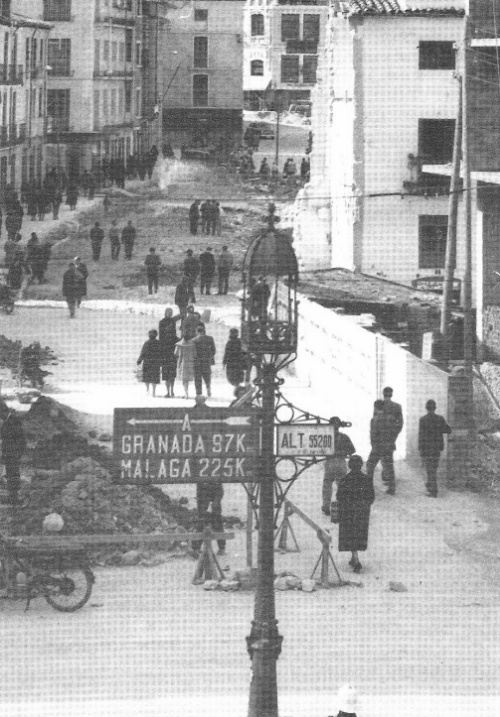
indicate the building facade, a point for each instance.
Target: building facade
{"x":298,"y":29}
{"x":389,"y":94}
{"x":201,"y":73}
{"x":257,"y":73}
{"x":23,"y":48}
{"x":94,"y":90}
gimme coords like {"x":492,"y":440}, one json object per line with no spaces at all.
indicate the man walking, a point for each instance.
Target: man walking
{"x":114,"y":240}
{"x":225,"y":262}
{"x":72,"y":288}
{"x":203,"y":361}
{"x":335,"y":466}
{"x":13,"y":447}
{"x":96,"y":239}
{"x":194,"y":217}
{"x":207,"y":270}
{"x":181,"y":299}
{"x":191,"y":270}
{"x":129,"y":236}
{"x":152,"y":263}
{"x":431,"y":429}
{"x":383,"y":434}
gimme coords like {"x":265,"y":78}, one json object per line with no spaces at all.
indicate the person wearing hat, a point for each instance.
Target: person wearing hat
{"x":207,"y":270}
{"x":152,"y":263}
{"x":335,"y":466}
{"x":355,"y":495}
{"x":151,"y":360}
{"x":431,"y":429}
{"x":114,"y":239}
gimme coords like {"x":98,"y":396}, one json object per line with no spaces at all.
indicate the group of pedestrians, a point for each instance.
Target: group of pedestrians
{"x":204,"y":266}
{"x":355,"y":491}
{"x":206,"y":216}
{"x":189,"y":356}
{"x":126,"y":237}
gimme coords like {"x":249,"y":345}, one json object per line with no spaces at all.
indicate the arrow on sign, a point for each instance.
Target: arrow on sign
{"x":230,"y":421}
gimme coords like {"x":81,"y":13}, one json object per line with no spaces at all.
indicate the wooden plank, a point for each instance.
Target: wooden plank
{"x":73,"y":542}
{"x":320,"y":532}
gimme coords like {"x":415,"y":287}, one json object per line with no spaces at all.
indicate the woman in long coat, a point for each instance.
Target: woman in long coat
{"x":151,"y":361}
{"x":234,"y":359}
{"x":168,"y":339}
{"x":355,"y":495}
{"x":185,"y":352}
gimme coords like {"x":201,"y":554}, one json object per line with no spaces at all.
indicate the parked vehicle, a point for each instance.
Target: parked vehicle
{"x":30,"y":567}
{"x":265,"y":129}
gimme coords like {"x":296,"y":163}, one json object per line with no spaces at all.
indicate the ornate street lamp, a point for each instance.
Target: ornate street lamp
{"x":269,"y":330}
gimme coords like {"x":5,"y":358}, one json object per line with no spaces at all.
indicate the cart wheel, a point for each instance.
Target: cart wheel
{"x":69,"y":589}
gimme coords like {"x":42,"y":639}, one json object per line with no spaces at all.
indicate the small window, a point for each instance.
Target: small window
{"x":201,"y":52}
{"x":200,"y":90}
{"x":309,"y":67}
{"x":436,"y":56}
{"x":432,"y":231}
{"x":290,"y":68}
{"x":435,"y":140}
{"x":290,"y":27}
{"x":257,"y":24}
{"x":257,"y":67}
{"x":200,"y":15}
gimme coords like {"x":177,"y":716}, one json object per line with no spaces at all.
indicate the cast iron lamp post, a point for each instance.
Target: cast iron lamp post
{"x":269,"y":330}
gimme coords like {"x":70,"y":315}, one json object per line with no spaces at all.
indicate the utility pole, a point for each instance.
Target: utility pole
{"x":451,"y":239}
{"x":467,"y":297}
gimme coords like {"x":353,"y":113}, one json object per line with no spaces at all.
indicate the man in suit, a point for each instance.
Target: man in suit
{"x":203,"y":361}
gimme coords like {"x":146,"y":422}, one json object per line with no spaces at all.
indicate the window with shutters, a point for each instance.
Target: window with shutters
{"x":201,"y":52}
{"x":309,"y":67}
{"x":290,"y":68}
{"x":128,"y":44}
{"x":310,"y":29}
{"x":290,"y":27}
{"x":59,"y":57}
{"x":200,"y":90}
{"x":257,"y":22}
{"x":432,"y":231}
{"x":435,"y":140}
{"x":58,"y":109}
{"x":257,"y":67}
{"x":128,"y":95}
{"x":436,"y":55}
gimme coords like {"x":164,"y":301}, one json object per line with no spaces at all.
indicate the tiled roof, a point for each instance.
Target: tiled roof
{"x":392,"y":7}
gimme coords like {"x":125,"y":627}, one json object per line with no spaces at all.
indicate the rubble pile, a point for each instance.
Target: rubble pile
{"x":483,"y":465}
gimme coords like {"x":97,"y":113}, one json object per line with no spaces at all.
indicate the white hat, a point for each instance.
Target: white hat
{"x":347,"y":699}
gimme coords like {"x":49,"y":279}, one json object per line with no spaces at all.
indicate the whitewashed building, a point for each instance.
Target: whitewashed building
{"x":384,"y":109}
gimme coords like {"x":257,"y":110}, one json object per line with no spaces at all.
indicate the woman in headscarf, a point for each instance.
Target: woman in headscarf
{"x":355,"y":495}
{"x":150,"y":358}
{"x":168,"y":339}
{"x":185,"y":351}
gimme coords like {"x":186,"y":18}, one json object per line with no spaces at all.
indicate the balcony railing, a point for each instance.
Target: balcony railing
{"x":114,"y":73}
{"x":423,"y":184}
{"x":11,"y":74}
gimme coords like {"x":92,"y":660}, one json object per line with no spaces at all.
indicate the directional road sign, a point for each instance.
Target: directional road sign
{"x":305,"y":439}
{"x":177,"y":445}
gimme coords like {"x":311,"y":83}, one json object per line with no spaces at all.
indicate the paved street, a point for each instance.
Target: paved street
{"x":404,"y":651}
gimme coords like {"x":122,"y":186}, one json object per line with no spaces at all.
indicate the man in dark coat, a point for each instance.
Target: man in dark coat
{"x":431,"y":429}
{"x":13,"y":447}
{"x":207,"y":270}
{"x":114,"y":239}
{"x":181,"y":299}
{"x":191,"y":270}
{"x":383,"y":433}
{"x":194,"y":216}
{"x":225,"y":262}
{"x":72,"y":288}
{"x":152,"y":263}
{"x":84,"y":273}
{"x":96,"y":239}
{"x":129,"y":236}
{"x":335,"y":466}
{"x":208,"y":495}
{"x":203,"y":361}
